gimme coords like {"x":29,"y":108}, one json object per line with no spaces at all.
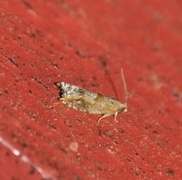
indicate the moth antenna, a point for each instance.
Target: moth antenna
{"x":125,"y":87}
{"x":111,"y":81}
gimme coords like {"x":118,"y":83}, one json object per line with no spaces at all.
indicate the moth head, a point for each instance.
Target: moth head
{"x":123,"y":108}
{"x":117,"y":106}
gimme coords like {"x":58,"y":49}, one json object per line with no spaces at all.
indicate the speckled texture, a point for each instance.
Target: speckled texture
{"x":86,"y":43}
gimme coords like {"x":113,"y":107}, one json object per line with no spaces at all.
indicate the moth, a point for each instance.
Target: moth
{"x":90,"y":102}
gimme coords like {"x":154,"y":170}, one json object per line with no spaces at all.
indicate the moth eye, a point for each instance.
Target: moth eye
{"x":125,"y":109}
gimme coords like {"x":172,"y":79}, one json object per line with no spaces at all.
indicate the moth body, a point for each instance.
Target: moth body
{"x":90,"y":102}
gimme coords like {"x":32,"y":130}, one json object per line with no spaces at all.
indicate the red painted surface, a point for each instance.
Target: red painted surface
{"x":86,"y":43}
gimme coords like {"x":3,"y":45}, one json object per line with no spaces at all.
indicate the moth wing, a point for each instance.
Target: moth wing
{"x":77,"y":98}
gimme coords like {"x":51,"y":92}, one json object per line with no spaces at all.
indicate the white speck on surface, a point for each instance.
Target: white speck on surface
{"x":74,"y":146}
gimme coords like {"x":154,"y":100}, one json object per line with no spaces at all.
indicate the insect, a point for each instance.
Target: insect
{"x":90,"y":102}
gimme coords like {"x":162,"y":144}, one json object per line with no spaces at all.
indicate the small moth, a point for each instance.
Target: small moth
{"x":90,"y":102}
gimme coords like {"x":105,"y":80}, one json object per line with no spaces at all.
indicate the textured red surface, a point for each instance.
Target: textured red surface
{"x":86,"y":43}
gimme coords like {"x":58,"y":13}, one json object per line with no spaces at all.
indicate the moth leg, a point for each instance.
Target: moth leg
{"x":103,"y":116}
{"x":106,"y":115}
{"x":66,"y":99}
{"x":115,"y":116}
